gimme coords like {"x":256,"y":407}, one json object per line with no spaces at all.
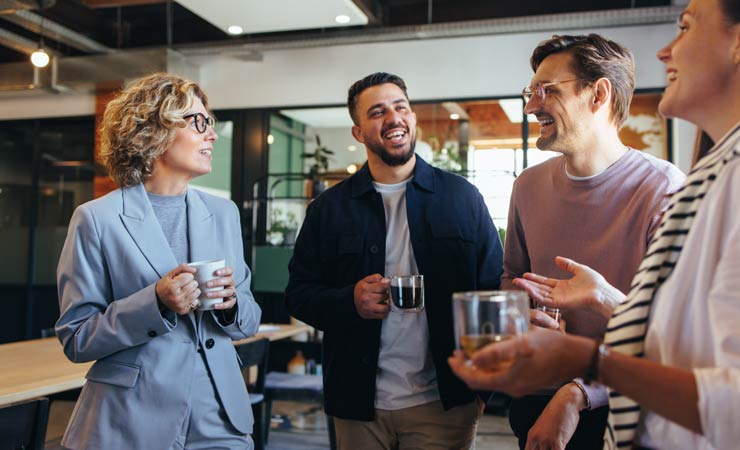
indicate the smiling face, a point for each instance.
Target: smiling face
{"x":189,"y":156}
{"x":700,"y":65}
{"x":386,"y":124}
{"x":565,"y":113}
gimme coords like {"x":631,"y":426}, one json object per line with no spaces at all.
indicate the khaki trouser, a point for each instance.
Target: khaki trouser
{"x":423,"y":427}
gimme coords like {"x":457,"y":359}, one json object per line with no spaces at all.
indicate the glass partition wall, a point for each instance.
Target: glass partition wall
{"x":487,"y":141}
{"x":47,"y":170}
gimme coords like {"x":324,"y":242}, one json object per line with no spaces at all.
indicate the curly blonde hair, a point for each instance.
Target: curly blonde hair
{"x":140,"y":124}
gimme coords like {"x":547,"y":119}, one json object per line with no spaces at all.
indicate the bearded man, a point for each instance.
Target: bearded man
{"x":386,"y":378}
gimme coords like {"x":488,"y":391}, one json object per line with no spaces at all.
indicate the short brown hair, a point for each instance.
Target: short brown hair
{"x":596,"y":57}
{"x":140,"y":124}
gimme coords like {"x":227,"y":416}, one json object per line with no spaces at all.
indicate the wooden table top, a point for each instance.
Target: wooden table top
{"x":39,"y":367}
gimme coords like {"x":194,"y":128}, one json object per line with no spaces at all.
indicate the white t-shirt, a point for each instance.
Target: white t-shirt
{"x":406,"y":375}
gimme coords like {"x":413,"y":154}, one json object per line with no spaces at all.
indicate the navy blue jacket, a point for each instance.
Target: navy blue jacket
{"x":342,"y":240}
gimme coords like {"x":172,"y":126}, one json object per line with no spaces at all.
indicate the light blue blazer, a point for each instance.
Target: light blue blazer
{"x":136,"y":394}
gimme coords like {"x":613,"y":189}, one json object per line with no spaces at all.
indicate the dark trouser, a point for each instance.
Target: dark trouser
{"x":524,"y":412}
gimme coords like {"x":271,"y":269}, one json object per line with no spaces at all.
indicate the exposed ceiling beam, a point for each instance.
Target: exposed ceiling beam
{"x":9,"y":6}
{"x":52,"y":30}
{"x":17,"y":43}
{"x":372,"y":9}
{"x":95,"y":4}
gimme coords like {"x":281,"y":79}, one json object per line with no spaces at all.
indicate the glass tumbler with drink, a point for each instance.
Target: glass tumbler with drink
{"x":485,"y":317}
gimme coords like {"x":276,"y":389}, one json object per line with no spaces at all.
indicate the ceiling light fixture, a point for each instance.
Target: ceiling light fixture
{"x":454,"y":116}
{"x":235,"y":29}
{"x":270,"y":139}
{"x":342,"y":18}
{"x":40,"y":58}
{"x":352,"y":148}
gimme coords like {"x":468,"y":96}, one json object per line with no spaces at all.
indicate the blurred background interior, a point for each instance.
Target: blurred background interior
{"x":276,"y":73}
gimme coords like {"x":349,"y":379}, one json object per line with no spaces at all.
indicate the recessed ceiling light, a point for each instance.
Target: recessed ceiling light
{"x":270,"y":139}
{"x":352,"y":168}
{"x":235,"y":29}
{"x":352,"y":148}
{"x":342,"y":18}
{"x":454,"y":116}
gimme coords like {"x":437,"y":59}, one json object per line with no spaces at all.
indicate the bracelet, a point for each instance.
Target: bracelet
{"x":600,"y":352}
{"x":585,"y":395}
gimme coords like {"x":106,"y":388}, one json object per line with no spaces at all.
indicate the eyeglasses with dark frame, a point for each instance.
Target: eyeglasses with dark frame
{"x":201,"y":121}
{"x":540,"y":90}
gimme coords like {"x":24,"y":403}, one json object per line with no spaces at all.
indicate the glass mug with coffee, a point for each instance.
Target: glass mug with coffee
{"x":407,"y":293}
{"x":486,"y":317}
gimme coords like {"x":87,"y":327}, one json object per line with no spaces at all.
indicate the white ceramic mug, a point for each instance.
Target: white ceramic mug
{"x":205,"y":273}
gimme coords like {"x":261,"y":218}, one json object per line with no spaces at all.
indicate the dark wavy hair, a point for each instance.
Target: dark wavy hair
{"x":596,"y":57}
{"x":369,"y":81}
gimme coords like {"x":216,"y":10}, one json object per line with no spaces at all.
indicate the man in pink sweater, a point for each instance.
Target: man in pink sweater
{"x":597,"y":203}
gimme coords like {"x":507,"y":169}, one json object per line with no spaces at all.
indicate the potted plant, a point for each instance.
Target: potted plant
{"x":321,"y":157}
{"x":283,"y":227}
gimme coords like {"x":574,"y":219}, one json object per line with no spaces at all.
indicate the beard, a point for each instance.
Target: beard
{"x":390,"y":159}
{"x":545,"y":143}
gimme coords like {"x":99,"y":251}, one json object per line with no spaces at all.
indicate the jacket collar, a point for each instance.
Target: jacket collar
{"x":203,"y":242}
{"x":423,"y":177}
{"x":138,"y":217}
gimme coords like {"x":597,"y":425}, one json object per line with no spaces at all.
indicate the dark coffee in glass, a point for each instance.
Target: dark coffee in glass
{"x":407,"y":292}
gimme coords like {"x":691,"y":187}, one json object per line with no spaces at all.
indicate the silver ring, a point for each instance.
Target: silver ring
{"x":195,"y":305}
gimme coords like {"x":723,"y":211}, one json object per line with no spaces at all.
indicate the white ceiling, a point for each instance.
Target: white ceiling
{"x":262,"y":16}
{"x":321,"y":117}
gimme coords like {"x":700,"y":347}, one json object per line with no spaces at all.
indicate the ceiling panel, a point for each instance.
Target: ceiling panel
{"x":261,"y":16}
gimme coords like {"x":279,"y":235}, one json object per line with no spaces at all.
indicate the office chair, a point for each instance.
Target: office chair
{"x":257,"y":354}
{"x":23,"y":426}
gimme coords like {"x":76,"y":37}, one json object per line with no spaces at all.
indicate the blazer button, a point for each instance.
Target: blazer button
{"x":210,"y":343}
{"x":152,"y":333}
{"x":374,"y":249}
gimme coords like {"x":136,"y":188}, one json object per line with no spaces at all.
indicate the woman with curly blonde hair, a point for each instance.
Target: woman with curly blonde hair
{"x":166,"y":375}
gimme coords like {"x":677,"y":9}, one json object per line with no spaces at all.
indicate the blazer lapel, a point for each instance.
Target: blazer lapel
{"x":139,"y":219}
{"x":204,"y":245}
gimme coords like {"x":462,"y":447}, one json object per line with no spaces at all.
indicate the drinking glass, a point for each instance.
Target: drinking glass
{"x":552,"y":312}
{"x":486,"y":317}
{"x":407,"y":293}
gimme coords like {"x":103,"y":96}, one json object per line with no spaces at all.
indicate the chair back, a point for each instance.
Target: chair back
{"x":23,"y":426}
{"x":256,"y":353}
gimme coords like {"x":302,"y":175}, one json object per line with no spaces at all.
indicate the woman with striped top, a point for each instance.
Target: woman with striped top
{"x":671,"y":353}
